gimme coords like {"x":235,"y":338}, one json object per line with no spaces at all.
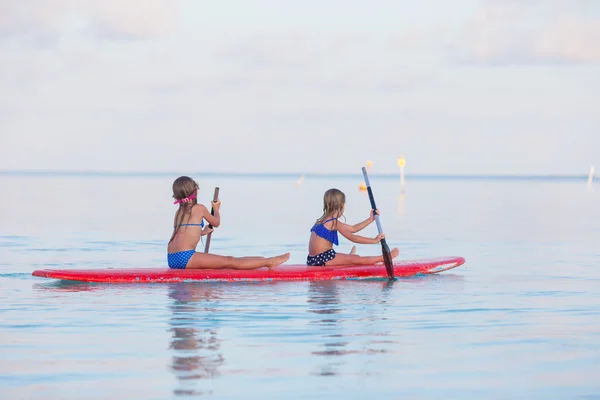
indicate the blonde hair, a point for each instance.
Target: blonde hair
{"x":333,"y":203}
{"x":183,"y":187}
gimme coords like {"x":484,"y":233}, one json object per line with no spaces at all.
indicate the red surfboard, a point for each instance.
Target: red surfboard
{"x":282,"y":273}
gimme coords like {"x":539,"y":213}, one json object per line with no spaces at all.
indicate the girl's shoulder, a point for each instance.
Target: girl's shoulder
{"x":199,"y":209}
{"x":328,"y":222}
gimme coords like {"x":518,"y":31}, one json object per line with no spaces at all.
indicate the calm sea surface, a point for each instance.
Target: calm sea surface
{"x":520,"y":320}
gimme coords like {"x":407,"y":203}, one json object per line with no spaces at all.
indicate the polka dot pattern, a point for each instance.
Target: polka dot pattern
{"x":320,"y":259}
{"x":180,"y":259}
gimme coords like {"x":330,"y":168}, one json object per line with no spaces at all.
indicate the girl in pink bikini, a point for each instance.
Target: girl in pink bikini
{"x":189,"y":227}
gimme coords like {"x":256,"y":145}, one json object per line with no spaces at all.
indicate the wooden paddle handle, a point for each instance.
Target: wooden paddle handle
{"x":212,"y":212}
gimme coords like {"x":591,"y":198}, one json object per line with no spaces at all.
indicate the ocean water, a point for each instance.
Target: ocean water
{"x":519,"y":320}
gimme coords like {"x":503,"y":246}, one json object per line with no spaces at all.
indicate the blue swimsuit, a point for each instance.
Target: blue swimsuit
{"x":320,"y":259}
{"x":180,"y":259}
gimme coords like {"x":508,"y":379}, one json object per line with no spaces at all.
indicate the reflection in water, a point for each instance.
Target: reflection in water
{"x":67,"y":286}
{"x":401,"y":206}
{"x":323,"y":300}
{"x":195,"y":342}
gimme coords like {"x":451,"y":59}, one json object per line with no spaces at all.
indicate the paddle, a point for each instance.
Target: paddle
{"x":212,"y":212}
{"x":387,"y":258}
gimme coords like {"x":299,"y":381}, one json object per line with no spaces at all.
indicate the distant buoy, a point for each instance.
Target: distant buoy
{"x":590,"y":178}
{"x":401,"y":164}
{"x":299,"y":181}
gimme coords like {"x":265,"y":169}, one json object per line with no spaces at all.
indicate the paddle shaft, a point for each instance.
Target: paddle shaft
{"x":384,"y":246}
{"x":212,"y":212}
{"x":372,"y":199}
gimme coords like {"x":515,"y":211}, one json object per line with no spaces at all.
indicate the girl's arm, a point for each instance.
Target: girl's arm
{"x":206,"y":230}
{"x":362,"y":225}
{"x":346,"y":231}
{"x":215,"y":220}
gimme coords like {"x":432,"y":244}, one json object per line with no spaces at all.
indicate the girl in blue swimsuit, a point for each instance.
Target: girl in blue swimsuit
{"x":189,"y":227}
{"x":324,"y":234}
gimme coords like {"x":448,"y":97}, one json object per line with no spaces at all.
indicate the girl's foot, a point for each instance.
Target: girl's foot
{"x":393,"y":254}
{"x":274,"y":262}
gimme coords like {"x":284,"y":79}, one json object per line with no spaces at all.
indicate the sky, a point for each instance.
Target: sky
{"x":461,"y":86}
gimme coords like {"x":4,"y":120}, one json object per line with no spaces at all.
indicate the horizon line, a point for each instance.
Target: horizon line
{"x":296,"y":175}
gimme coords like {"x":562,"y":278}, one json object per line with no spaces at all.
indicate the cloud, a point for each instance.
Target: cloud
{"x":45,"y":21}
{"x":333,"y":62}
{"x":570,"y":39}
{"x":514,"y":32}
{"x":133,"y":19}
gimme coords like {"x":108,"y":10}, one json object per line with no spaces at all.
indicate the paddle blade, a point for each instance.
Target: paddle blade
{"x":387,"y":259}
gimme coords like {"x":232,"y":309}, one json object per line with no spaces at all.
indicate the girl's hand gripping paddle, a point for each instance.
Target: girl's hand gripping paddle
{"x":212,"y":211}
{"x":387,"y":258}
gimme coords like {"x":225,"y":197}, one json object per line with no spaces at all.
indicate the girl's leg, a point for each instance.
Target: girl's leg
{"x":353,"y":259}
{"x":213,"y":261}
